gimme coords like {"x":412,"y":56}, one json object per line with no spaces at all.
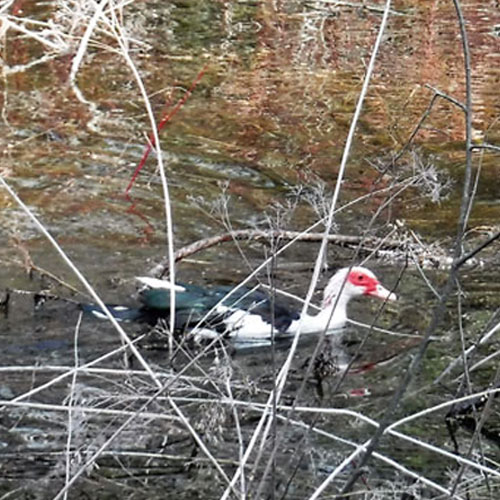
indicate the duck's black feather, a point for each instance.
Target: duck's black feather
{"x":194,"y":303}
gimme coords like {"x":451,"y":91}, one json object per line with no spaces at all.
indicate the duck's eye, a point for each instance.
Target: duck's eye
{"x":360,"y":277}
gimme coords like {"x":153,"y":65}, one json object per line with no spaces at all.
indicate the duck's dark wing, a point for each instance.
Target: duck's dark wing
{"x":276,"y":314}
{"x":191,"y":305}
{"x":194,"y":303}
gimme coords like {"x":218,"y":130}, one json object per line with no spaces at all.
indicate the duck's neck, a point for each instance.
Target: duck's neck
{"x":332,"y":315}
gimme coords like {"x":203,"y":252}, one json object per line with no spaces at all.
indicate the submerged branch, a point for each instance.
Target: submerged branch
{"x":269,"y":235}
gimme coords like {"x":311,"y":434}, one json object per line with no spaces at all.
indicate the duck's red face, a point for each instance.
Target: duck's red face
{"x":369,"y":284}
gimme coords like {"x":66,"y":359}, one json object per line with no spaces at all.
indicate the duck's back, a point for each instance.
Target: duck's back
{"x":236,"y":315}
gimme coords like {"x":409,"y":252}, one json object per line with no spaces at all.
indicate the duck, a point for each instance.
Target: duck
{"x":246,"y":314}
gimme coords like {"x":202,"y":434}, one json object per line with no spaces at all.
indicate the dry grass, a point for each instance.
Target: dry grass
{"x":203,"y":419}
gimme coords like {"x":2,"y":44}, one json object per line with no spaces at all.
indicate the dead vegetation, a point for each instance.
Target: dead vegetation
{"x":209,"y":421}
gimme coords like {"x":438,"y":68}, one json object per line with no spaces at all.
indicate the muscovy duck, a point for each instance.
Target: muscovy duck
{"x":247,"y":315}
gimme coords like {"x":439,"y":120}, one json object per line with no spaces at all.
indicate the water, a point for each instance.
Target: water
{"x":257,"y":144}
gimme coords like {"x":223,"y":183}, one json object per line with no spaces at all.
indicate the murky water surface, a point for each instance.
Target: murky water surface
{"x":257,"y":144}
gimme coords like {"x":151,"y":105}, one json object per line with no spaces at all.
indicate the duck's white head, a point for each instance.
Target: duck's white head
{"x":354,"y":282}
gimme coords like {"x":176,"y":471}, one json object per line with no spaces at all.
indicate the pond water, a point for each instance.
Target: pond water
{"x":255,"y":145}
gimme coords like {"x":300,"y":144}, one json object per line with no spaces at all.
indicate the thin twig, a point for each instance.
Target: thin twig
{"x":462,"y":260}
{"x":485,"y":146}
{"x":71,"y":401}
{"x":121,"y":38}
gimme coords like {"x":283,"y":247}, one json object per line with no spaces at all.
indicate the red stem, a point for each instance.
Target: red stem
{"x":162,"y":123}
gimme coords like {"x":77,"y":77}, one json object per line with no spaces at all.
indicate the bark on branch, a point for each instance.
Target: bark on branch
{"x":258,"y":235}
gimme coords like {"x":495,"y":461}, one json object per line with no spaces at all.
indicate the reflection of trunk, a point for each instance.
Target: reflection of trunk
{"x":4,"y":303}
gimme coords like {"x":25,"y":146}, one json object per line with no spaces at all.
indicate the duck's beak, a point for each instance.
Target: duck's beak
{"x":382,"y":293}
